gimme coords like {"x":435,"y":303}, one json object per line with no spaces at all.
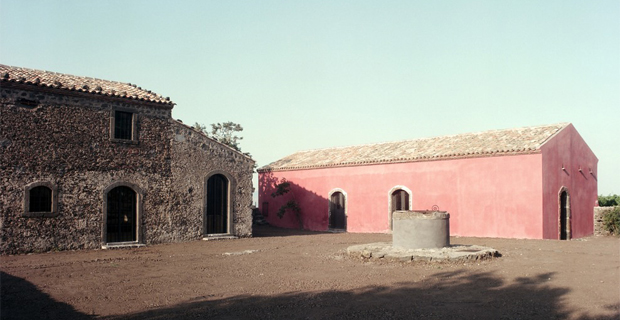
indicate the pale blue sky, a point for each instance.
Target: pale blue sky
{"x":314,"y":74}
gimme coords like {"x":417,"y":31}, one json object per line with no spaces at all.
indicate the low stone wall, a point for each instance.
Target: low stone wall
{"x":599,"y":212}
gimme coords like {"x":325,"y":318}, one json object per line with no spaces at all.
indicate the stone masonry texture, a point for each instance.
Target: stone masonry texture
{"x":599,"y":228}
{"x":65,"y":140}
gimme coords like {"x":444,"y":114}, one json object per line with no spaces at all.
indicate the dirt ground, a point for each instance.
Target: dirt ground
{"x":288,"y":274}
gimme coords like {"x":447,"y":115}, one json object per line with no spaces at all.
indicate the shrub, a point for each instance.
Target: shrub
{"x":283,"y":188}
{"x":609,"y":201}
{"x":611,"y":221}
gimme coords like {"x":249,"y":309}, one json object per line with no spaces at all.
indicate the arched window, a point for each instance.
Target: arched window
{"x":40,"y":200}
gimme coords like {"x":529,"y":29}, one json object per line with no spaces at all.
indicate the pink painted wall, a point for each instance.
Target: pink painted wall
{"x":568,"y":149}
{"x":486,"y":197}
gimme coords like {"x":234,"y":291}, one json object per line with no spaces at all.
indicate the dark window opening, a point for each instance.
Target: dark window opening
{"x":27,"y":103}
{"x":40,"y":199}
{"x":337,"y":212}
{"x":121,"y":215}
{"x":123,"y":125}
{"x":217,"y":204}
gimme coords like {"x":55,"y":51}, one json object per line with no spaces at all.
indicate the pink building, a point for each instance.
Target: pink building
{"x":535,"y":182}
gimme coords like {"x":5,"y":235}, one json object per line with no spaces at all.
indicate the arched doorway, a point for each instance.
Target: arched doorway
{"x":399,"y":199}
{"x":216,"y":220}
{"x":337,"y":211}
{"x":121,"y":215}
{"x":565,"y":228}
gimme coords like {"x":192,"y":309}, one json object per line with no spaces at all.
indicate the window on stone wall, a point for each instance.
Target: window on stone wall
{"x":27,"y":103}
{"x":40,"y":200}
{"x":124,"y":126}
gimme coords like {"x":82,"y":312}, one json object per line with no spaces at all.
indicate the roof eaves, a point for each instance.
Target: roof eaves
{"x":54,"y":81}
{"x":81,"y":93}
{"x":524,"y":151}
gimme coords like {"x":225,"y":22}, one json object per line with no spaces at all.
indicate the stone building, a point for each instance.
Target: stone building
{"x":534,"y":182}
{"x":90,"y":163}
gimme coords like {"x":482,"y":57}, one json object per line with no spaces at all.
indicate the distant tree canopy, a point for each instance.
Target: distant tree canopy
{"x":225,"y":133}
{"x":609,"y":201}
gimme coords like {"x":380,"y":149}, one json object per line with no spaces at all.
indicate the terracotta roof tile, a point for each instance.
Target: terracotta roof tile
{"x":80,"y":84}
{"x":468,"y":145}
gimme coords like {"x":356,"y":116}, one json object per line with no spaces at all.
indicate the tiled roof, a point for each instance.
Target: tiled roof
{"x":468,"y":145}
{"x":79,"y":84}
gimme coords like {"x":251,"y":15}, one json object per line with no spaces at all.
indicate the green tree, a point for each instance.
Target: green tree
{"x":609,"y":200}
{"x":611,"y":221}
{"x":225,"y":133}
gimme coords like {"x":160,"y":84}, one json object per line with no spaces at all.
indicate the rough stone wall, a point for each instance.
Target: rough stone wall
{"x":65,"y":140}
{"x":194,"y":158}
{"x":599,"y":212}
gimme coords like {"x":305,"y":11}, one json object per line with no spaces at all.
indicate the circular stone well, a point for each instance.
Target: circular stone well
{"x":421,"y":229}
{"x":421,"y":236}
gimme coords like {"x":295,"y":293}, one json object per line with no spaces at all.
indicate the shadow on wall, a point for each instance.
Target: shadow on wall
{"x":314,"y":207}
{"x":21,"y":299}
{"x":455,"y":295}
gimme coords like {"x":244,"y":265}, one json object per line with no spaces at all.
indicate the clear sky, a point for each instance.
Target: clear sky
{"x":315,"y":74}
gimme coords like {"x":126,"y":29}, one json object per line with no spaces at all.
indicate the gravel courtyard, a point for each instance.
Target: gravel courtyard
{"x":290,"y":274}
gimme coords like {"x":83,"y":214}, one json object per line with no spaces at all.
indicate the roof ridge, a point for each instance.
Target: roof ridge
{"x":497,"y":142}
{"x":563,"y":124}
{"x":64,"y":74}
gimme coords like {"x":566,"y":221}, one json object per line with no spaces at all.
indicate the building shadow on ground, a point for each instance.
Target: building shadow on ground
{"x":259,"y":231}
{"x":20,"y":299}
{"x":450,"y":295}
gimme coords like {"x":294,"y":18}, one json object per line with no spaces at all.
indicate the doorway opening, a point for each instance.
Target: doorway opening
{"x":399,"y":199}
{"x":565,"y":226}
{"x":121,"y":215}
{"x":217,"y":211}
{"x":337,"y":211}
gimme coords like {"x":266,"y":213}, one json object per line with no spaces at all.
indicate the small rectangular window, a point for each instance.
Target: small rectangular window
{"x":123,"y":125}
